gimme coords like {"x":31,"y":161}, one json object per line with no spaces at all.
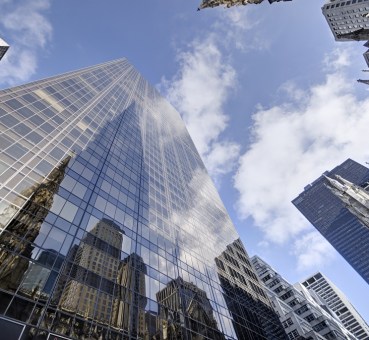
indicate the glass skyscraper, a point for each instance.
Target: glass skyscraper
{"x":331,"y":217}
{"x":110,"y":226}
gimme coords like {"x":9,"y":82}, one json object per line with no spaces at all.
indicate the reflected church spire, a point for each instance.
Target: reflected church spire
{"x":24,"y":227}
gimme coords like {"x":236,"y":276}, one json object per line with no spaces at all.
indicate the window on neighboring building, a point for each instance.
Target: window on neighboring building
{"x":310,"y":317}
{"x":293,"y":334}
{"x":287,"y":323}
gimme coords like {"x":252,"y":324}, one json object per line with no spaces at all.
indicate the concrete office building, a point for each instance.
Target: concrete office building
{"x":303,"y":314}
{"x":348,"y":20}
{"x":339,"y":304}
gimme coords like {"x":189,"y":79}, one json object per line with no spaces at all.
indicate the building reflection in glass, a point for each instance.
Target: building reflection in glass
{"x":15,"y":242}
{"x":96,"y":285}
{"x":40,"y":278}
{"x":253,"y":316}
{"x":128,"y":309}
{"x":92,"y":251}
{"x":86,"y":283}
{"x":92,"y":285}
{"x":186,"y":312}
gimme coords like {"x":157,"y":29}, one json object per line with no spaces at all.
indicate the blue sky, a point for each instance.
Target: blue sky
{"x":269,"y":97}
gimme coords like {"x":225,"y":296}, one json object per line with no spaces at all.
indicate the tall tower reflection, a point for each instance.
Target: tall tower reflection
{"x":186,"y":312}
{"x":252,"y":314}
{"x":128,"y":310}
{"x":86,"y":285}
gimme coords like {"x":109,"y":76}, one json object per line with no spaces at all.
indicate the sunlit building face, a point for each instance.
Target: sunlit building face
{"x":110,"y":227}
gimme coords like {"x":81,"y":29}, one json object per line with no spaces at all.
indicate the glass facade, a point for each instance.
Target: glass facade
{"x":110,"y":226}
{"x":329,"y":215}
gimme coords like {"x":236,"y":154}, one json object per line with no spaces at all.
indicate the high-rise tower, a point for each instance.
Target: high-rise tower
{"x":334,"y":218}
{"x":105,"y":202}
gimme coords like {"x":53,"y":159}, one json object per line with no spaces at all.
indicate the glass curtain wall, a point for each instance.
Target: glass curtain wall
{"x":110,"y":227}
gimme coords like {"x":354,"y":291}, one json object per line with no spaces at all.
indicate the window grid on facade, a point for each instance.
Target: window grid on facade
{"x":110,"y":225}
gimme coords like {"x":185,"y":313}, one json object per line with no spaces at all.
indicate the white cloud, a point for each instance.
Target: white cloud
{"x":27,"y":31}
{"x":203,"y":84}
{"x":232,"y":29}
{"x":222,"y":158}
{"x":294,"y":143}
{"x":238,"y":18}
{"x":339,"y":58}
{"x":199,"y":91}
{"x":312,"y":251}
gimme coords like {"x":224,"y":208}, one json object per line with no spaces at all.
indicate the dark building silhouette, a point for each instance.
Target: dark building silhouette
{"x":253,"y":315}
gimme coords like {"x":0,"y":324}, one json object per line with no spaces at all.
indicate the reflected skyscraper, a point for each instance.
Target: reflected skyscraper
{"x":129,"y":306}
{"x":251,"y":310}
{"x":106,"y":206}
{"x":85,"y":285}
{"x":40,"y":279}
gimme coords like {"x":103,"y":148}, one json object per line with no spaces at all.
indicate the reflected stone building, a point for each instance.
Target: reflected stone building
{"x":105,"y":208}
{"x":23,"y":226}
{"x":336,"y":208}
{"x":186,"y":312}
{"x":85,"y":285}
{"x":354,"y":197}
{"x":130,"y":302}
